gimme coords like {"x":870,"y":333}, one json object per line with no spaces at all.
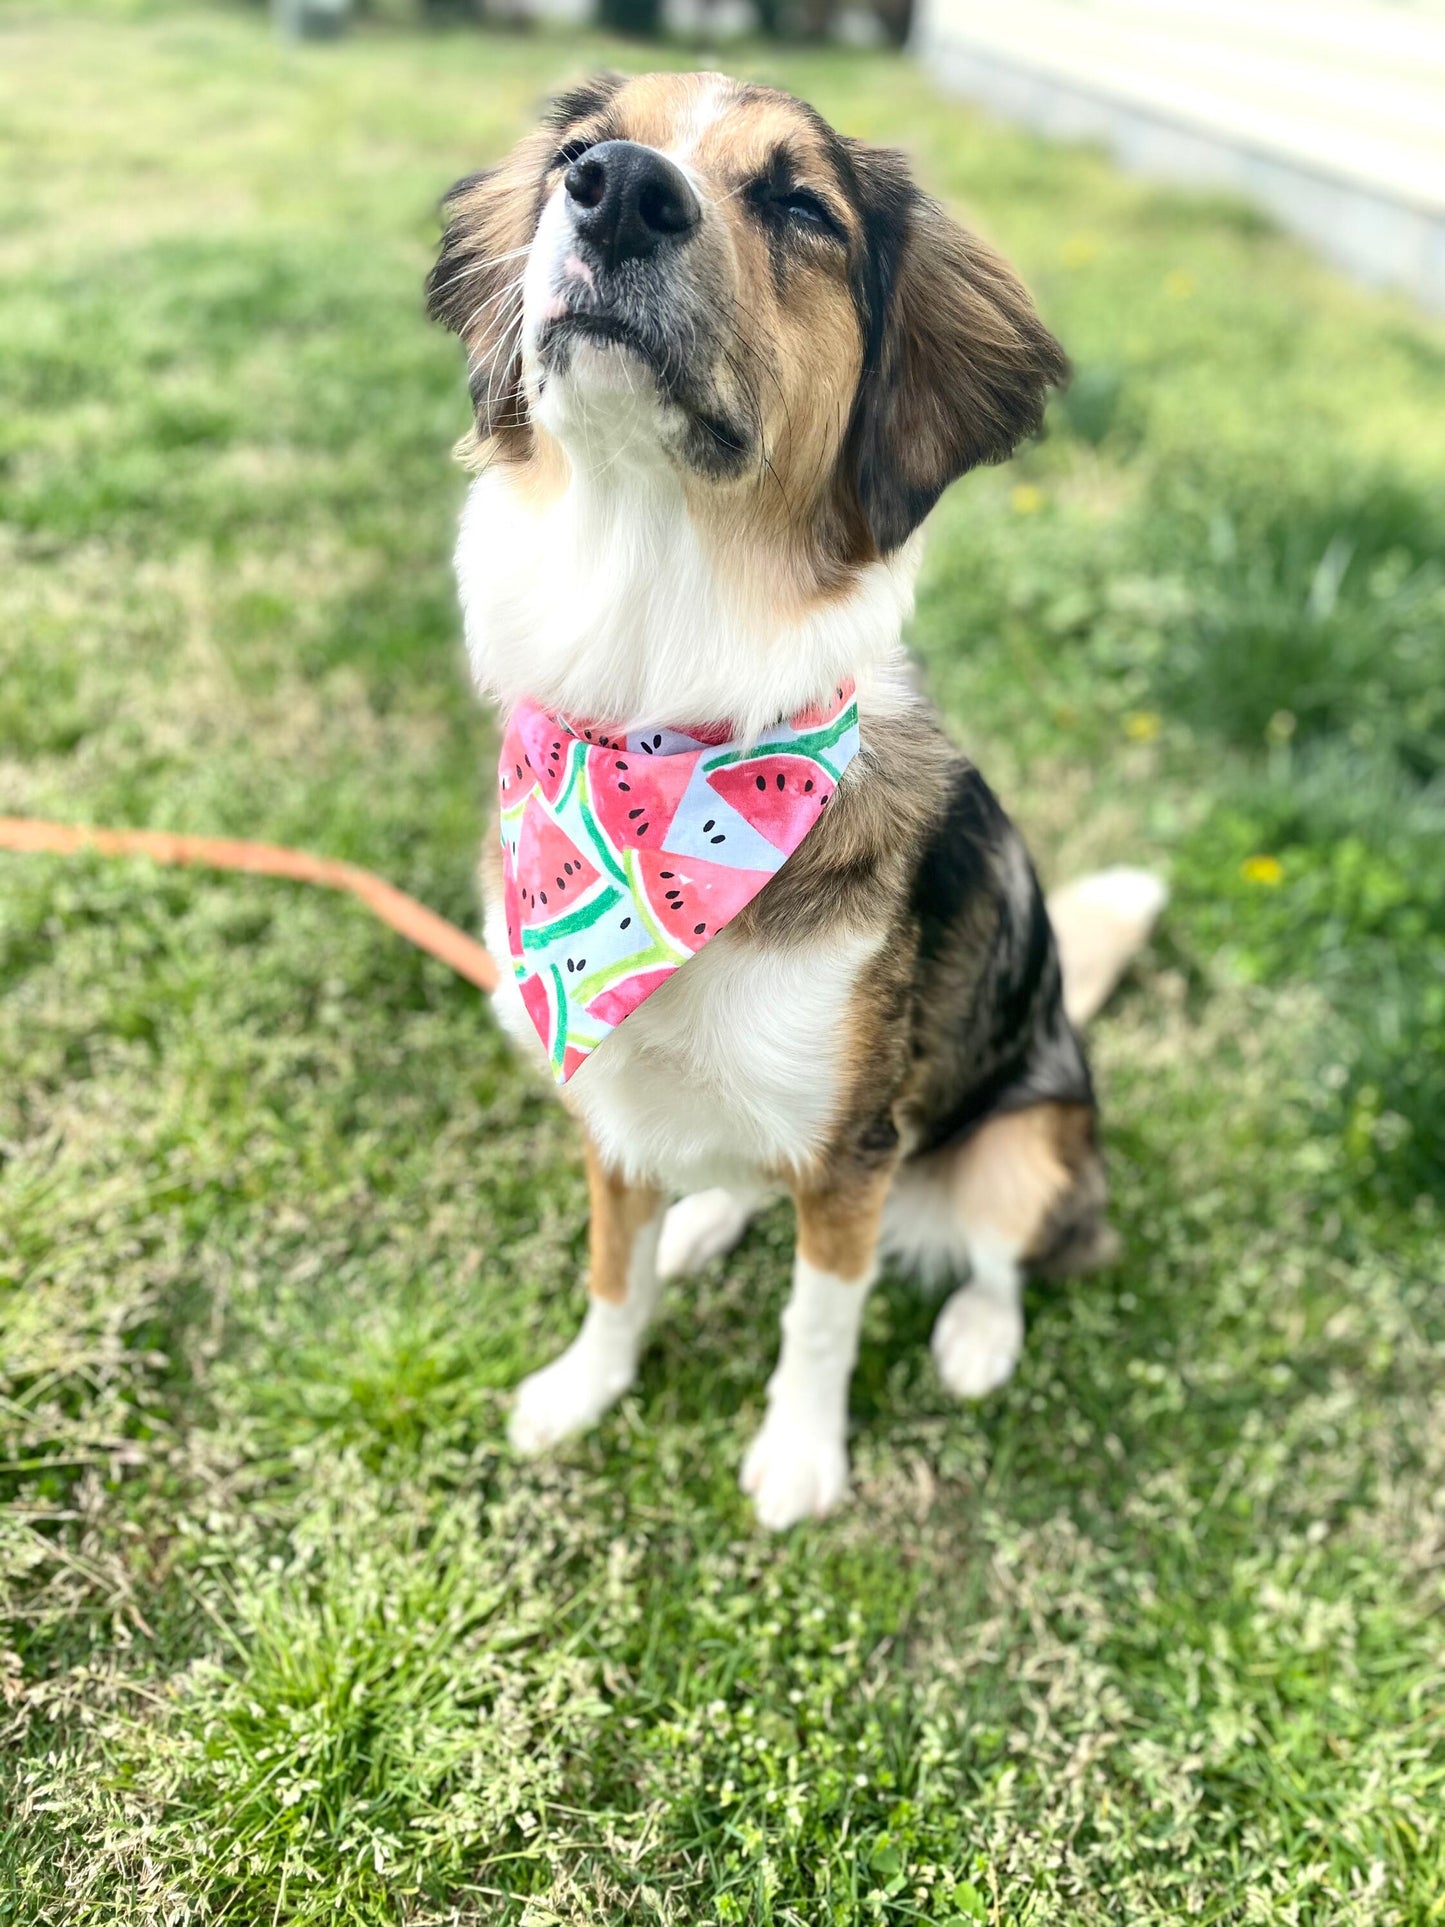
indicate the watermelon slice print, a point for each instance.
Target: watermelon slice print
{"x":512,"y":906}
{"x":620,"y":999}
{"x":779,"y":795}
{"x":539,"y":1008}
{"x":535,"y":750}
{"x":514,"y":779}
{"x":634,"y":798}
{"x":551,"y":871}
{"x":824,"y":712}
{"x":692,"y":899}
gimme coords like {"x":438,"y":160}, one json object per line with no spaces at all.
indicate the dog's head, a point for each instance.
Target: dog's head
{"x":776,"y":312}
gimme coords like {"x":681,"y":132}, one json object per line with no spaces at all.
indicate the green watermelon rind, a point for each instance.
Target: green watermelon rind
{"x":673,"y":952}
{"x":582,"y":918}
{"x":600,"y":846}
{"x":597,"y":981}
{"x":812,"y":745}
{"x":559,"y":999}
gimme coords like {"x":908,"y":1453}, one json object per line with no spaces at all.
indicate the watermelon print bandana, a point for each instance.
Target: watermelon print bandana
{"x":622,"y":855}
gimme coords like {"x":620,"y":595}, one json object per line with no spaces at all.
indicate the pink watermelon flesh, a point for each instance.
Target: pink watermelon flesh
{"x":820,"y":713}
{"x":513,"y":776}
{"x":512,"y":906}
{"x":534,"y":996}
{"x":693,"y":899}
{"x":551,"y":870}
{"x":779,"y":795}
{"x":634,"y":798}
{"x":621,"y":999}
{"x":543,"y":752}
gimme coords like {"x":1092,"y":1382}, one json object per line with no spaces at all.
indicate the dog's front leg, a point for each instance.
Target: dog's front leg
{"x":601,"y":1362}
{"x":797,"y":1466}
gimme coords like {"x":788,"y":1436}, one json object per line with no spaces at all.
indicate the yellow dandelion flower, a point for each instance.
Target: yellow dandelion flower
{"x":1079,"y":250}
{"x":1142,"y":725}
{"x":1267,"y":870}
{"x":1179,"y":284}
{"x":1026,"y":499}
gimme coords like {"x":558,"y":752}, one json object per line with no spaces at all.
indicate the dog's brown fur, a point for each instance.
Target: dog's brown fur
{"x":873,"y":368}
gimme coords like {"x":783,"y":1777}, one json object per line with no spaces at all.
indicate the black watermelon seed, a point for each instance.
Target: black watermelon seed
{"x":518,"y":768}
{"x":673,"y":895}
{"x":782,"y":782}
{"x":668,"y":874}
{"x":698,"y":928}
{"x":719,"y":839}
{"x":543,"y":896}
{"x":657,"y":742}
{"x":581,"y":963}
{"x":648,"y":748}
{"x":808,"y":785}
{"x":708,"y":825}
{"x":761,"y":781}
{"x":625,"y":922}
{"x":570,"y":966}
{"x":632,"y":815}
{"x":621,"y":764}
{"x":624,"y":786}
{"x":560,"y":884}
{"x":568,"y":868}
{"x":642,"y":829}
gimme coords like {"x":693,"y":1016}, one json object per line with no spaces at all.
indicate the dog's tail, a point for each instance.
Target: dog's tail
{"x":1100,"y":921}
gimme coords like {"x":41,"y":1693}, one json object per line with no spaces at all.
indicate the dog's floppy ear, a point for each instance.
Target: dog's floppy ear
{"x":475,"y":288}
{"x":957,"y":365}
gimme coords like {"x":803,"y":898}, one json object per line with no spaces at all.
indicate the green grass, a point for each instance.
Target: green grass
{"x":1153,"y":1635}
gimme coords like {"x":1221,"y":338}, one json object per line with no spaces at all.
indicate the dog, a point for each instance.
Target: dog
{"x":722,"y":363}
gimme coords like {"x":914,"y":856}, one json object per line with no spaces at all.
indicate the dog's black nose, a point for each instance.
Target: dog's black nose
{"x":628,"y":199}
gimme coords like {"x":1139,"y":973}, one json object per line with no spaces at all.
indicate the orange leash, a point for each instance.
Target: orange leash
{"x":411,"y":919}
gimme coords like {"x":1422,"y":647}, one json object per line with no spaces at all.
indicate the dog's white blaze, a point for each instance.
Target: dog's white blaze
{"x":704,"y":111}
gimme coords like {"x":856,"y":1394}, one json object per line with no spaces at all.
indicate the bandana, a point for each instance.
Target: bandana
{"x":623,"y":854}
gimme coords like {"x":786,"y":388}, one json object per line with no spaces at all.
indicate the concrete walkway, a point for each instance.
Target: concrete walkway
{"x":1330,"y":113}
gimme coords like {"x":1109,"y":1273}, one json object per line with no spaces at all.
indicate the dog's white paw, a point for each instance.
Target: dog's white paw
{"x":794,"y":1470}
{"x":977,"y":1341}
{"x":564,"y":1397}
{"x":700,"y":1228}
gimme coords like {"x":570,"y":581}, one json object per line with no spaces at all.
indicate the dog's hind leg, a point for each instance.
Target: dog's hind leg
{"x":601,"y":1362}
{"x":1025,"y":1192}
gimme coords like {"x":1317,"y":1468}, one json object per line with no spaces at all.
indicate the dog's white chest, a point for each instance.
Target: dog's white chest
{"x":734,"y":1068}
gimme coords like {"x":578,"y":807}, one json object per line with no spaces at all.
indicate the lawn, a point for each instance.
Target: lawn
{"x":1155,"y":1634}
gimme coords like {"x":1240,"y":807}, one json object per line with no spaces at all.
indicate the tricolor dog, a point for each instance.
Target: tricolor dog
{"x":767,"y":927}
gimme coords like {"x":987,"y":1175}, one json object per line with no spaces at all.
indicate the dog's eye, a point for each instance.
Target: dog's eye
{"x":797,"y":208}
{"x":804,"y":207}
{"x":571,"y":151}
